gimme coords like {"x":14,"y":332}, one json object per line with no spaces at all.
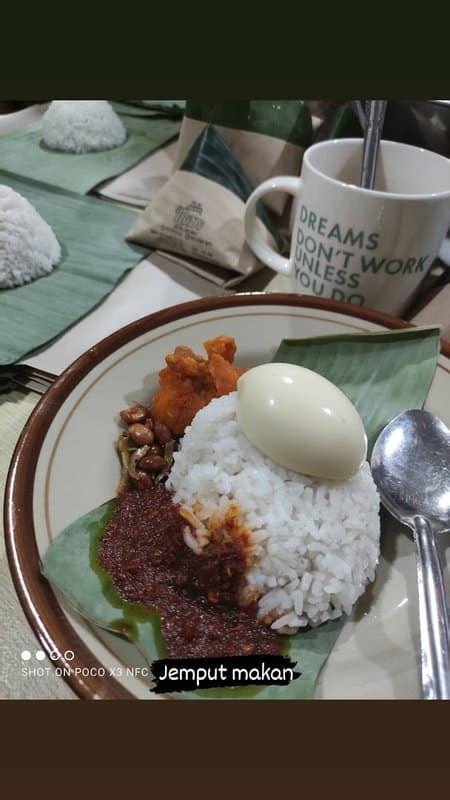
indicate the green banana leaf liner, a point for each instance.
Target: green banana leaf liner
{"x":141,"y":108}
{"x":95,"y":256}
{"x":383,"y":374}
{"x":284,"y":119}
{"x":25,"y":154}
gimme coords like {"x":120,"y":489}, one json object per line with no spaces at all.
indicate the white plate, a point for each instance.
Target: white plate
{"x":65,"y":465}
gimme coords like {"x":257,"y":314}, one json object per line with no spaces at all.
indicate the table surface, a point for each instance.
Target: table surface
{"x":17,"y":636}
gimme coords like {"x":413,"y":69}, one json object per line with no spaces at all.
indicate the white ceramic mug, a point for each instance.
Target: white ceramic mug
{"x":371,"y":247}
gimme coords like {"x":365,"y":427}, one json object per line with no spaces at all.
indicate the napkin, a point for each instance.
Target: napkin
{"x":138,"y":185}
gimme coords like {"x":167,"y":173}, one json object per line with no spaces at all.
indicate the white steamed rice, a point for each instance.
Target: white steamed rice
{"x":315,"y":544}
{"x":28,"y":247}
{"x":80,"y":126}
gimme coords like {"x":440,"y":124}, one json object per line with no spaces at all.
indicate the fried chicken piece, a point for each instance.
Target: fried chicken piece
{"x":189,"y":382}
{"x":224,"y":374}
{"x":186,"y":363}
{"x":224,"y":346}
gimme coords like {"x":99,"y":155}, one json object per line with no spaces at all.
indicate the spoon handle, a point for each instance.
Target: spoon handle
{"x":433,"y":618}
{"x":372,"y":135}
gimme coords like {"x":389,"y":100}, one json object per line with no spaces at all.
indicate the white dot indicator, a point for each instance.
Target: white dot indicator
{"x":40,"y":655}
{"x":25,"y":655}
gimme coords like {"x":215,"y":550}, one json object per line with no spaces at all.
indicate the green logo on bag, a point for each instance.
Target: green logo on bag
{"x":189,"y":217}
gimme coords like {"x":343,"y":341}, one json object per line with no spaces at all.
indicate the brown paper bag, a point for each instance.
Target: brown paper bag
{"x":199,"y":212}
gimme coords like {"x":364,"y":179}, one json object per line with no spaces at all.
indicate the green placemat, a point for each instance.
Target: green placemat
{"x":95,"y":255}
{"x":144,"y":108}
{"x":24,"y":153}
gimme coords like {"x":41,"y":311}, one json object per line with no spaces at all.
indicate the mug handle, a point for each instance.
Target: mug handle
{"x":266,"y":254}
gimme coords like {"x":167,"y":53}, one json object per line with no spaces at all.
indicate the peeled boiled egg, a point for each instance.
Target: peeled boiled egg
{"x":301,"y":421}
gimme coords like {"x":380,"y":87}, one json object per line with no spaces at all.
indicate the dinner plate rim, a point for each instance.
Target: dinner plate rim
{"x":42,"y":609}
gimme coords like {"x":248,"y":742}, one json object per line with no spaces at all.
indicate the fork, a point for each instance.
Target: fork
{"x":28,"y":377}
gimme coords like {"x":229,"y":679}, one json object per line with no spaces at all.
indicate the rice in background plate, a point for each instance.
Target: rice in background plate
{"x":29,"y":248}
{"x":81,"y":126}
{"x":314,"y":544}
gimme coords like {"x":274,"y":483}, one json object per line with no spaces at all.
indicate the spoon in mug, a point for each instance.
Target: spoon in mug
{"x":375,"y":111}
{"x":411,"y":468}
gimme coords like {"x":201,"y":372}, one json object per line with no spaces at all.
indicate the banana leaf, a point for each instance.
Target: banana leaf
{"x":168,"y":108}
{"x":345,"y":124}
{"x":95,"y":256}
{"x":24,"y":153}
{"x":383,"y":374}
{"x":283,"y":119}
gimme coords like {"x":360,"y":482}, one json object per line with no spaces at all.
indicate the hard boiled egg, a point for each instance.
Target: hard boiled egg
{"x":301,"y":421}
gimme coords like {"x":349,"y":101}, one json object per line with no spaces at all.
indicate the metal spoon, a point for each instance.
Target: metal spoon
{"x":411,"y":467}
{"x":375,"y":111}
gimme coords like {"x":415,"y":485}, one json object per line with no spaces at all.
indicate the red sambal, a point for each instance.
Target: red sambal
{"x":144,"y":552}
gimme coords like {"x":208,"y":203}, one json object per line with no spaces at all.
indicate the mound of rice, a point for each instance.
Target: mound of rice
{"x":314,"y":544}
{"x":79,"y":126}
{"x":28,"y":247}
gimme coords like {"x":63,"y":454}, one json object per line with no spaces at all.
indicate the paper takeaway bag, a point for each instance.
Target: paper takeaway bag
{"x":199,"y":212}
